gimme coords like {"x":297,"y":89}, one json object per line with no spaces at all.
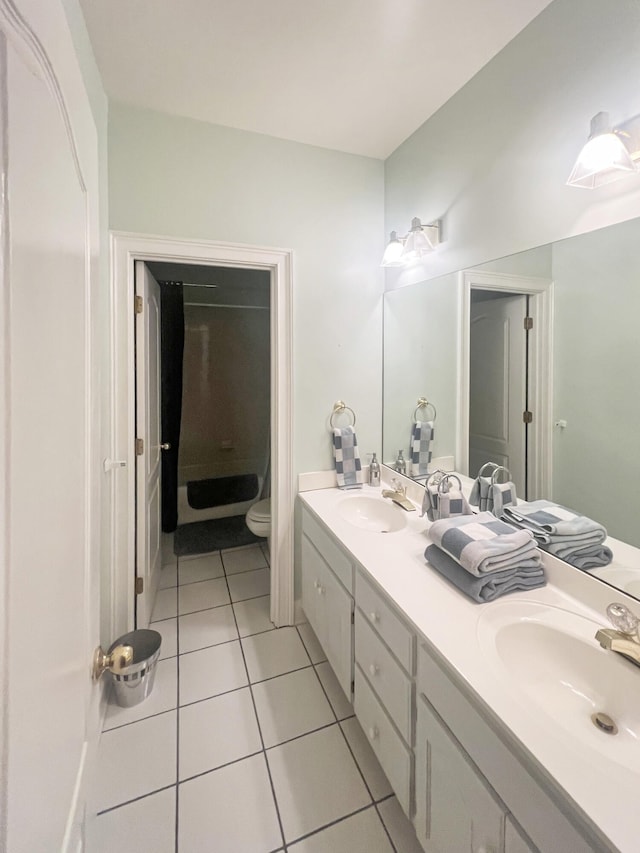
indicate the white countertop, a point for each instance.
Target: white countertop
{"x":605,"y":791}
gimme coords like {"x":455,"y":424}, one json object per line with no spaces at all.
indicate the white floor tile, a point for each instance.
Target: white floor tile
{"x":202,"y":595}
{"x":316,"y":781}
{"x":338,"y":700}
{"x":145,"y":826}
{"x":311,"y":643}
{"x":207,"y":628}
{"x":365,"y":757}
{"x":211,"y":671}
{"x":243,"y":559}
{"x":168,"y":576}
{"x":229,"y":810}
{"x":166,"y":604}
{"x":274,"y":653}
{"x":217,"y":731}
{"x":361,"y":833}
{"x":163,"y":697}
{"x":291,"y":705}
{"x":399,"y":826}
{"x":168,"y":629}
{"x":265,"y":551}
{"x":135,"y":760}
{"x":249,"y":584}
{"x":254,"y":615}
{"x":204,"y":567}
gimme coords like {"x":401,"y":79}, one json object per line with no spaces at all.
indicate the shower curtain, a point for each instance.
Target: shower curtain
{"x":171,"y":356}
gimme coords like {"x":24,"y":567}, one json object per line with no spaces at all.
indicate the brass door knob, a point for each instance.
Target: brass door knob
{"x":165,"y":446}
{"x":120,"y":658}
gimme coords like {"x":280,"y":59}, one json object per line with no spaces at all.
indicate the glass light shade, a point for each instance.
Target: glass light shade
{"x":603,"y":159}
{"x":393,"y":253}
{"x":418,"y":242}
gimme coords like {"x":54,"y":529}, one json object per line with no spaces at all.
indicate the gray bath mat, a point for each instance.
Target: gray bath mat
{"x":213,"y":535}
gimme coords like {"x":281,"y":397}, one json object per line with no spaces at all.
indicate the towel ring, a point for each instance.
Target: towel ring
{"x":493,"y":464}
{"x":497,"y":470}
{"x":422,"y":404}
{"x":438,"y":474}
{"x":339,"y":407}
{"x":445,"y":482}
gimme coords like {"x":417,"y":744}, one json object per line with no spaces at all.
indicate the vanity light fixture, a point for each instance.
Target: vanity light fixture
{"x":610,"y":153}
{"x":420,"y":240}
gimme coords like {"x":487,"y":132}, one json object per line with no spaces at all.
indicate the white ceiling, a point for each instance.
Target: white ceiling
{"x":355,"y":75}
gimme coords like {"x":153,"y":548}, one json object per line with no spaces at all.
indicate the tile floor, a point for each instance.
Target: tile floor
{"x":247,"y":743}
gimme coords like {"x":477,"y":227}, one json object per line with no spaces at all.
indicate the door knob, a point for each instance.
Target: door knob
{"x":165,"y":446}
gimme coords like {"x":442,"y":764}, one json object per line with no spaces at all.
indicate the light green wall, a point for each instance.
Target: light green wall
{"x":494,"y":160}
{"x":183,"y":178}
{"x":596,"y":390}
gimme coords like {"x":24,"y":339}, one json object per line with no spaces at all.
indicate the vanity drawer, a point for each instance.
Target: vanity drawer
{"x":393,"y":755}
{"x":382,"y":618}
{"x":337,"y":560}
{"x":385,"y":675}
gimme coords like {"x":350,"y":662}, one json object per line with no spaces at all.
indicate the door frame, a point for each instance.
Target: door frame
{"x":540,"y":291}
{"x":126,"y":248}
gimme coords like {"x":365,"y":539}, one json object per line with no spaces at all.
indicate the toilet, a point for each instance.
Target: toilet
{"x":258,"y":519}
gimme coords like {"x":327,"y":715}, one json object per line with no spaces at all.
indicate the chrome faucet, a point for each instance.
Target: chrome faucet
{"x":399,"y":495}
{"x":625,"y":639}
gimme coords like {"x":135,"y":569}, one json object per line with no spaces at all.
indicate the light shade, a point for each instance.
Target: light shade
{"x":421,"y":240}
{"x":603,"y":159}
{"x":393,"y":253}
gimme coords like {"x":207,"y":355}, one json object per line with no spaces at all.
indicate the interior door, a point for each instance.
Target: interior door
{"x":49,"y":433}
{"x":498,"y":386}
{"x":148,"y":445}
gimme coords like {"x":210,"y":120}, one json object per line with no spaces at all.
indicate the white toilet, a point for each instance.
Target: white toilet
{"x":258,"y":519}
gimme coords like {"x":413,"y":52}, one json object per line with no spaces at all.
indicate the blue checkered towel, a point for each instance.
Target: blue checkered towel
{"x":487,"y":587}
{"x":347,"y":458}
{"x":502,"y":495}
{"x":481,"y":490}
{"x":422,"y":434}
{"x":566,"y":534}
{"x":483,"y":543}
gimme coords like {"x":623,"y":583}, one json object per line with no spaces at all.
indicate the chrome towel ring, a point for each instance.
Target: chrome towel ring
{"x":423,"y":403}
{"x":338,"y":408}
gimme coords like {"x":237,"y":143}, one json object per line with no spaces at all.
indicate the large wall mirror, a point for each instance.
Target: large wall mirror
{"x":589,"y":440}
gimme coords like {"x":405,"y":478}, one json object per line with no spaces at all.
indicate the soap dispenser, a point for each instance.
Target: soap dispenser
{"x":401,"y":464}
{"x":374,"y":471}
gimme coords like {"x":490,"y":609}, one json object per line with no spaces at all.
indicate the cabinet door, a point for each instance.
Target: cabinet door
{"x":329,"y":608}
{"x":514,"y":840}
{"x":455,"y":808}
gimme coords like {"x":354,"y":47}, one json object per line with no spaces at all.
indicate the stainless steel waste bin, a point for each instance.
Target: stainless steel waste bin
{"x":133,"y":683}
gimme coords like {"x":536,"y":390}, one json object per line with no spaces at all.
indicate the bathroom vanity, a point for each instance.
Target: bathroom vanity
{"x":479,"y":714}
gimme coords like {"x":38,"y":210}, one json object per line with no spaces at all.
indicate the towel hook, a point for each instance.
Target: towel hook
{"x":423,"y":403}
{"x":338,"y":407}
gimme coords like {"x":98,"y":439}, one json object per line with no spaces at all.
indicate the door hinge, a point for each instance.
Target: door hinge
{"x":527,"y":417}
{"x":528,"y":323}
{"x":139,"y":304}
{"x":139,"y":446}
{"x":139,"y":586}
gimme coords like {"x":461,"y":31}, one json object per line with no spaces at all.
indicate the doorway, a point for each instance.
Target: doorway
{"x":202,"y":410}
{"x":126,"y":250}
{"x":481,"y":288}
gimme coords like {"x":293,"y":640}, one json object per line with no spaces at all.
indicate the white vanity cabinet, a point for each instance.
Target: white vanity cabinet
{"x":327,"y":598}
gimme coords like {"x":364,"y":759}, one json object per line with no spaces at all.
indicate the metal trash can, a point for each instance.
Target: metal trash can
{"x":133,"y":683}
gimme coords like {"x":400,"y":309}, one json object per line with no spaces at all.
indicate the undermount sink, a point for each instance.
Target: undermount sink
{"x":372,"y":514}
{"x":551,"y":656}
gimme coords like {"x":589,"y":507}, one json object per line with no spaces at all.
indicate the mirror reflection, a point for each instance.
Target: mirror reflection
{"x":582,"y":449}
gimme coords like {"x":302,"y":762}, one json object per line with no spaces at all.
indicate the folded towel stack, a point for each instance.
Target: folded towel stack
{"x":484,"y":557}
{"x":572,"y":537}
{"x":347,"y":458}
{"x":421,"y":437}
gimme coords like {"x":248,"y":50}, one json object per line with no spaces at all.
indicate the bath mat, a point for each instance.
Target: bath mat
{"x":213,"y":535}
{"x":221,"y":491}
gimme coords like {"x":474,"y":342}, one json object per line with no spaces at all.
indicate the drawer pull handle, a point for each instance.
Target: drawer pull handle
{"x":375,"y":617}
{"x":320,"y":590}
{"x":373,"y":732}
{"x":484,"y":849}
{"x":316,"y":584}
{"x":374,"y":669}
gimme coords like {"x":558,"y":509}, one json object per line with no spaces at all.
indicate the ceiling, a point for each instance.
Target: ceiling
{"x":355,"y":75}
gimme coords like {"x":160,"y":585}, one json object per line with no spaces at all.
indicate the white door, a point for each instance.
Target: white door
{"x":497,"y":386}
{"x":148,"y":464}
{"x":49,"y":432}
